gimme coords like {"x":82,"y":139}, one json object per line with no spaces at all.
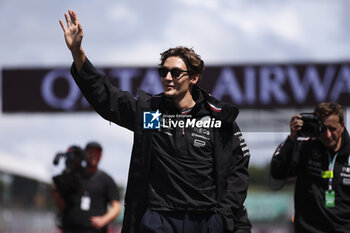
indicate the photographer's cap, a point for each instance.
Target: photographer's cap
{"x":93,"y":144}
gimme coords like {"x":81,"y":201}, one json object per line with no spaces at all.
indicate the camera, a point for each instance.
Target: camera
{"x":68,"y":181}
{"x":73,"y":159}
{"x":312,"y":126}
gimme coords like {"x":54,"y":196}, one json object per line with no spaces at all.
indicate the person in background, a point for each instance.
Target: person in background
{"x":93,"y":202}
{"x":321,"y":165}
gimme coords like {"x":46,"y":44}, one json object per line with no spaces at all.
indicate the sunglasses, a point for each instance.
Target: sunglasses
{"x":175,"y":72}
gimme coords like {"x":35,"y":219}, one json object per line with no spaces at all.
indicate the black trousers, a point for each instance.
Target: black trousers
{"x":180,"y":222}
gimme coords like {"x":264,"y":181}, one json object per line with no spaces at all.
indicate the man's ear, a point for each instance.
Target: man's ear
{"x":194,"y":79}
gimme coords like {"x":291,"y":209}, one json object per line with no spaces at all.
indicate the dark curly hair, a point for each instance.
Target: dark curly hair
{"x":193,"y":61}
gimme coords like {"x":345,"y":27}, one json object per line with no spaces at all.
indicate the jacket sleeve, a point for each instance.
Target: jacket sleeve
{"x":108,"y":101}
{"x":237,"y":181}
{"x":283,"y":164}
{"x":242,"y":222}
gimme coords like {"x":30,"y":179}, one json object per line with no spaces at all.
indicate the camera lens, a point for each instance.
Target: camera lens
{"x":309,"y":130}
{"x":312,"y":125}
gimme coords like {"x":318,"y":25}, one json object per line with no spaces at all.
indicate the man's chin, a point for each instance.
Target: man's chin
{"x":168,"y":94}
{"x":330,"y":146}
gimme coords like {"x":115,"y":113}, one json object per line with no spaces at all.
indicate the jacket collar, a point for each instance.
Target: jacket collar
{"x":225,"y":112}
{"x":345,"y":144}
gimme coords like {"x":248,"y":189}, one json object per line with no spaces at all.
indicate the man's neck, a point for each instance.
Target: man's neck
{"x":337,"y":147}
{"x":185,"y":102}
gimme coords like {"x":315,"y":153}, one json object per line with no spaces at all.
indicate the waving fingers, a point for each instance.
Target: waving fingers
{"x":62,"y":26}
{"x":73,"y":17}
{"x":67,"y":20}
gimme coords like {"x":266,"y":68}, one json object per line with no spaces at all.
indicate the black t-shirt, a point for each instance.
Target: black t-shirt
{"x":91,"y":198}
{"x":182,"y":172}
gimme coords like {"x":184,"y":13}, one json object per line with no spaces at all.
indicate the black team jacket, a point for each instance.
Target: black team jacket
{"x":231,"y":153}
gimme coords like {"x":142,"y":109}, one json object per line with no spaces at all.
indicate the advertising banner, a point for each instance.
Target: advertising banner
{"x":247,"y":86}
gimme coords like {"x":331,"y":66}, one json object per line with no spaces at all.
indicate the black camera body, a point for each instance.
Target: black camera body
{"x":312,"y":126}
{"x":68,"y":181}
{"x":73,"y":158}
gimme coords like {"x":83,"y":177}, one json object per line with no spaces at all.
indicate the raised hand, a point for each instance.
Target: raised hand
{"x":73,"y":34}
{"x":296,"y":123}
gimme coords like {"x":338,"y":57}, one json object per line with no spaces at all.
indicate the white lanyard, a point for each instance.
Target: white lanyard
{"x":330,"y":169}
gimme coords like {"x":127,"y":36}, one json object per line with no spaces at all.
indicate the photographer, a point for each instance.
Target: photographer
{"x":82,"y":195}
{"x":68,"y":181}
{"x":320,"y":163}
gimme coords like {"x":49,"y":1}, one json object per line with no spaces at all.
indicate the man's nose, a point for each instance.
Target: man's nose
{"x":328,"y":133}
{"x":168,"y":76}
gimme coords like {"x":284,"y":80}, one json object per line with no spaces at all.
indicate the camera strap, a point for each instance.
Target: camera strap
{"x":329,"y":174}
{"x":329,"y":194}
